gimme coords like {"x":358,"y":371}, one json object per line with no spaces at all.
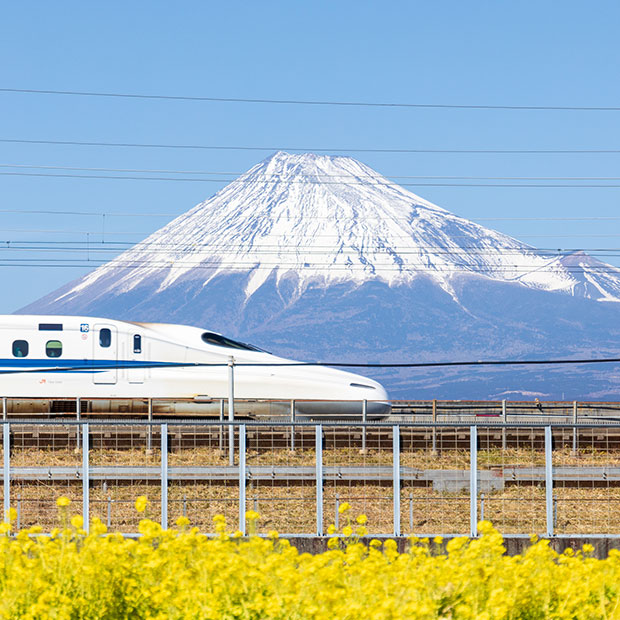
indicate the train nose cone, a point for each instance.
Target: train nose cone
{"x":379,"y":409}
{"x":376,"y":397}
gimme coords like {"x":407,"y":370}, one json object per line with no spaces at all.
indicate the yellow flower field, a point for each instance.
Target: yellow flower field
{"x":181,"y":573}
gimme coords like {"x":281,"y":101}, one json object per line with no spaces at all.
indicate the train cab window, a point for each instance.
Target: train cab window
{"x":221,"y":341}
{"x":53,"y":348}
{"x":105,"y":337}
{"x":137,"y":343}
{"x":20,"y":348}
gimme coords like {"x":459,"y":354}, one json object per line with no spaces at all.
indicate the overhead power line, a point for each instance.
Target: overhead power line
{"x":213,"y":265}
{"x":118,"y":365}
{"x":93,"y":237}
{"x":103,"y":214}
{"x":95,"y":234}
{"x":319,"y":177}
{"x":211,"y":147}
{"x":226,"y":249}
{"x":255,"y":181}
{"x":88,"y":213}
{"x":610,"y":360}
{"x":311,"y":102}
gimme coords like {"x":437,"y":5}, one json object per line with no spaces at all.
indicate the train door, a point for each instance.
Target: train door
{"x":105,"y":353}
{"x":136,"y":355}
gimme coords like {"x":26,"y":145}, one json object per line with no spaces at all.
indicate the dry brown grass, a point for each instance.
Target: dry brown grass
{"x":212,"y":456}
{"x":290,"y":508}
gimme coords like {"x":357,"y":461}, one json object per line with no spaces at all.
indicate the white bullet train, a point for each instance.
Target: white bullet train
{"x":69,"y":357}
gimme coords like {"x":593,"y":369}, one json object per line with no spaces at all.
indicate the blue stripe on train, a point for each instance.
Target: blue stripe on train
{"x":79,"y":365}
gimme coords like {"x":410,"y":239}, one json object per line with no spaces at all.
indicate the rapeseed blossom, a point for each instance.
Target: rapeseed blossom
{"x":182,"y":522}
{"x":141,"y":503}
{"x":181,"y":573}
{"x":77,"y":522}
{"x":344,"y":507}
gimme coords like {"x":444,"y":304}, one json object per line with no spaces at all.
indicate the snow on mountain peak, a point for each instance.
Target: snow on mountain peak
{"x":321,"y":220}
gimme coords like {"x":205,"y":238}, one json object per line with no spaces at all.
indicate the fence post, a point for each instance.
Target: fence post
{"x":242,"y":478}
{"x":575,"y":428}
{"x":85,"y":477}
{"x":149,"y":432}
{"x":318,"y":443}
{"x":364,"y":420}
{"x":164,"y":475}
{"x":337,"y":515}
{"x":396,"y":477}
{"x":231,"y":411}
{"x":292,"y":425}
{"x":504,"y":420}
{"x":222,"y":426}
{"x":549,"y":480}
{"x":434,"y":450}
{"x":410,"y":512}
{"x":473,"y":480}
{"x":78,"y":417}
{"x":6,"y":445}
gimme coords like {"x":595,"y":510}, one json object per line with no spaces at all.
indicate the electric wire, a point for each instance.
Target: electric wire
{"x":91,"y":236}
{"x":103,"y":247}
{"x":161,"y":214}
{"x":258,"y":181}
{"x":222,"y":266}
{"x":99,"y":367}
{"x":311,"y":102}
{"x":319,"y":176}
{"x":313,"y":149}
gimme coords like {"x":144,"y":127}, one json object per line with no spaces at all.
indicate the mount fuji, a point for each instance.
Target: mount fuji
{"x":318,"y":257}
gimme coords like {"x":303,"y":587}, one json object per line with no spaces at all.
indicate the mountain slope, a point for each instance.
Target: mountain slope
{"x":321,"y":257}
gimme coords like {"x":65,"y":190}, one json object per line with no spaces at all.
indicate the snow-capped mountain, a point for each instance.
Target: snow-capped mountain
{"x":327,"y":220}
{"x":318,"y":256}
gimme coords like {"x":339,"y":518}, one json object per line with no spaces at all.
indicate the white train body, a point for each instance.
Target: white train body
{"x":87,"y":357}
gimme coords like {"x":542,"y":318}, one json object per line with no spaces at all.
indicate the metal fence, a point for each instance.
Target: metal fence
{"x":422,"y":479}
{"x":403,"y":411}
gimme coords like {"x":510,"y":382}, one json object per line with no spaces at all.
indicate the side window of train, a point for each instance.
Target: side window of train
{"x":137,"y":343}
{"x":20,"y":348}
{"x":105,"y":337}
{"x":53,"y":348}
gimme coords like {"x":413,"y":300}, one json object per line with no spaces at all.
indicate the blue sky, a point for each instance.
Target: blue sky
{"x":525,"y":53}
